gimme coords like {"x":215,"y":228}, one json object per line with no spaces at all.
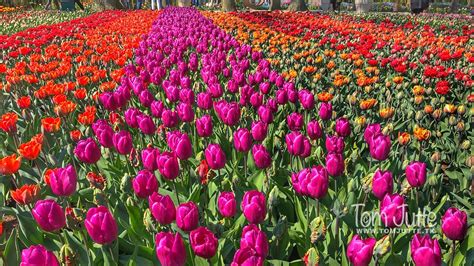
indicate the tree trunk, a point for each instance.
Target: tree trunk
{"x":228,"y":5}
{"x":454,"y":6}
{"x":297,"y":5}
{"x":275,"y":5}
{"x":109,"y":4}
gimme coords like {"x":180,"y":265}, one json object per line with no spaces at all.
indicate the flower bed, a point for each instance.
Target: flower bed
{"x":196,"y":138}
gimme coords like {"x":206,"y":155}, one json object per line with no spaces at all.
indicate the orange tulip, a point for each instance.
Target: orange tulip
{"x":30,"y":150}
{"x":47,"y":175}
{"x":10,"y":164}
{"x":24,"y":102}
{"x":421,"y":134}
{"x":404,"y":138}
{"x":25,"y":194}
{"x":8,"y":122}
{"x":325,"y":96}
{"x":51,"y":124}
{"x":75,"y":135}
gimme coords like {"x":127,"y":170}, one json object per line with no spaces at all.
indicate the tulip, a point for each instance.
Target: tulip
{"x":87,"y":151}
{"x":295,"y":143}
{"x":254,"y":238}
{"x":242,"y":140}
{"x":149,"y":157}
{"x":204,"y":101}
{"x":123,"y":142}
{"x":49,"y":215}
{"x":416,"y":174}
{"x":226,"y":204}
{"x":392,"y":210}
{"x":104,"y":132}
{"x":317,"y":182}
{"x":380,"y":147}
{"x":334,"y":144}
{"x":359,"y":251}
{"x":170,"y":249}
{"x":146,"y":124}
{"x":25,"y":194}
{"x":306,"y":99}
{"x":146,"y":98}
{"x":295,"y":121}
{"x":454,"y":224}
{"x":144,"y":184}
{"x":215,"y":156}
{"x":162,"y":208}
{"x":168,"y":165}
{"x":325,"y":111}
{"x":259,"y":130}
{"x":203,"y":242}
{"x":170,"y":118}
{"x":281,"y":96}
{"x":256,"y":99}
{"x":156,"y":108}
{"x":204,"y":126}
{"x":382,"y":184}
{"x":63,"y":181}
{"x":185,"y":112}
{"x":247,"y":257}
{"x":101,"y":225}
{"x":261,"y":157}
{"x":187,"y":216}
{"x":306,"y":148}
{"x":266,"y":114}
{"x":425,"y":251}
{"x":180,"y":144}
{"x":335,"y":164}
{"x":38,"y":256}
{"x":370,"y":131}
{"x":314,"y":130}
{"x":131,"y":117}
{"x":343,"y":127}
{"x":254,"y":206}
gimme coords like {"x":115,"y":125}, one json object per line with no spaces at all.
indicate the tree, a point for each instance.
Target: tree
{"x":275,"y":5}
{"x":228,"y":5}
{"x":109,"y":4}
{"x":297,"y":5}
{"x":454,"y":6}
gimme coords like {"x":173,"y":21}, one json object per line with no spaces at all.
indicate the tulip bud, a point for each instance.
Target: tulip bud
{"x":125,"y":183}
{"x":99,"y":197}
{"x":382,"y":246}
{"x":273,"y":197}
{"x":311,"y":257}
{"x":318,"y":230}
{"x":461,"y":110}
{"x":148,"y":221}
{"x":418,"y":115}
{"x":435,"y":157}
{"x":67,"y":255}
{"x":452,"y":120}
{"x":460,"y":126}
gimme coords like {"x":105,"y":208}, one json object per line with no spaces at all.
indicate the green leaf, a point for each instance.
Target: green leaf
{"x":29,"y":230}
{"x":11,"y":254}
